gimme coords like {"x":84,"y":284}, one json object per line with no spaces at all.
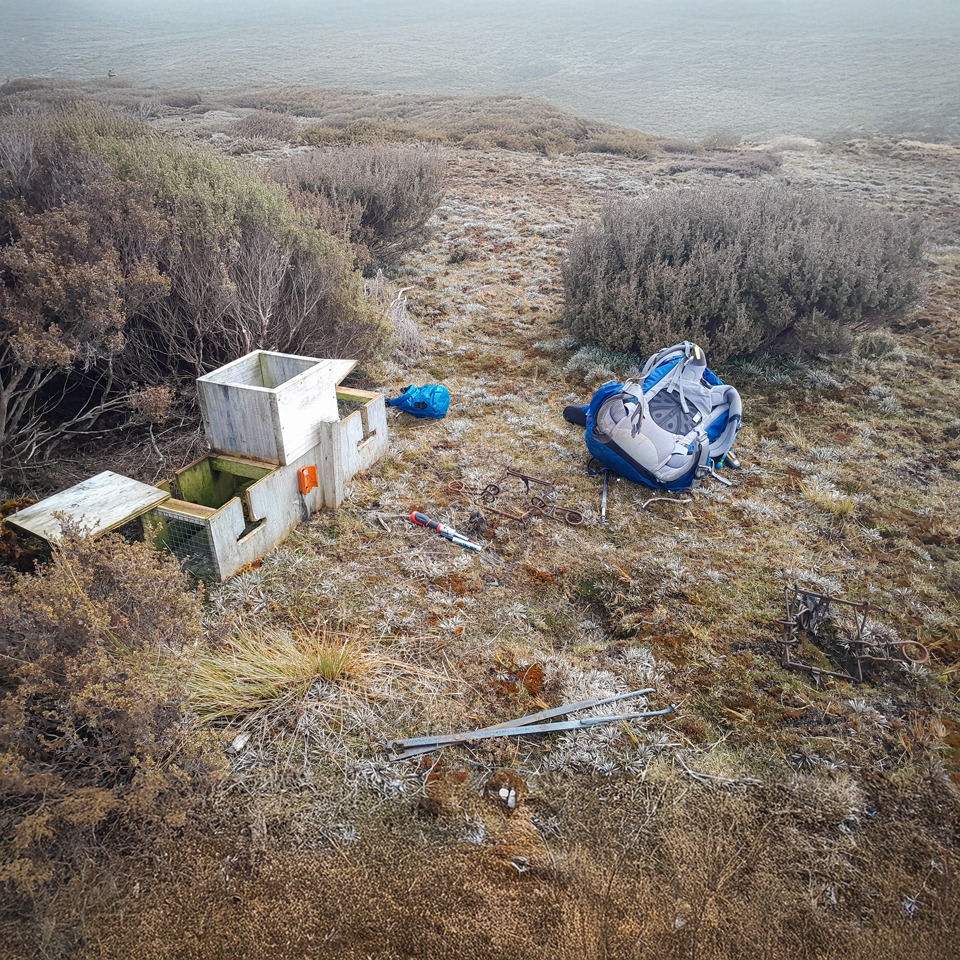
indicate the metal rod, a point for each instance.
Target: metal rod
{"x":548,"y":714}
{"x":603,"y":496}
{"x":530,"y":718}
{"x":397,"y":749}
{"x":570,"y":708}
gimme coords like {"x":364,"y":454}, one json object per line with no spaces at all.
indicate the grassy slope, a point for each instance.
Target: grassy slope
{"x":769,"y":817}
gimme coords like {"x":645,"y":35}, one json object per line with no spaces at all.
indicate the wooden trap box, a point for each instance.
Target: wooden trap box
{"x":266,"y":416}
{"x":269,"y":406}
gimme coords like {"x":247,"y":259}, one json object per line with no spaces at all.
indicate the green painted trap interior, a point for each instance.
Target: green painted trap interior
{"x":214,"y":481}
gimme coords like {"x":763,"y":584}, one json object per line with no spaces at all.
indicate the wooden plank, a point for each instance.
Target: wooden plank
{"x":242,"y":468}
{"x":349,"y":436}
{"x":212,"y":481}
{"x":194,"y":484}
{"x":97,"y":505}
{"x":363,"y":437}
{"x":331,"y":470}
{"x":273,"y":504}
{"x":188,"y":509}
{"x":246,"y":371}
{"x":277,"y":368}
{"x":238,"y":420}
{"x":305,"y":401}
{"x":375,"y":436}
{"x":225,"y":529}
{"x":358,"y":396}
{"x":280,"y":368}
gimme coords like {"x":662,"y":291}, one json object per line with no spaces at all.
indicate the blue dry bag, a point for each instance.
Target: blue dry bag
{"x":432,"y":400}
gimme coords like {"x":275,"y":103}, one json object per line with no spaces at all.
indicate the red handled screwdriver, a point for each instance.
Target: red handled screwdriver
{"x":448,"y":533}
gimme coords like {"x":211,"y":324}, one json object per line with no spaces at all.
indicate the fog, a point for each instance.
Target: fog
{"x":680,"y":67}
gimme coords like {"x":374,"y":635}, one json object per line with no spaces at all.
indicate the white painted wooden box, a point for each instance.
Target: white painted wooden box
{"x":270,"y":406}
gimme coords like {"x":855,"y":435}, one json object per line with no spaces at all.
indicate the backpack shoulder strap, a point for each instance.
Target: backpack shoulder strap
{"x":679,"y":350}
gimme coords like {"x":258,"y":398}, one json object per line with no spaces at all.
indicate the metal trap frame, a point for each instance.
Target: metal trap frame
{"x":807,"y":612}
{"x":539,"y":491}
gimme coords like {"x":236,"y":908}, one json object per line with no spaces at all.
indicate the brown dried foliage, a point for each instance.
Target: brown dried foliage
{"x":663,"y":871}
{"x":74,"y":274}
{"x":129,"y":264}
{"x":93,"y":756}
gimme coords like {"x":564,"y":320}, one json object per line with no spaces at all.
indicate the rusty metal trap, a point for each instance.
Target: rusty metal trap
{"x":539,"y":502}
{"x":841,"y":631}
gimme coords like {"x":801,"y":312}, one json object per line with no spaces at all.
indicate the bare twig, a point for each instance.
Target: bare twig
{"x":646,"y":503}
{"x":708,"y":778}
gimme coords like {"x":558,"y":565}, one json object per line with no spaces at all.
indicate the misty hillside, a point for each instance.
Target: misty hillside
{"x":688,"y":68}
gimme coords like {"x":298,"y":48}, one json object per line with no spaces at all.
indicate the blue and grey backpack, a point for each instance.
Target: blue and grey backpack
{"x":432,"y":400}
{"x":668,"y":430}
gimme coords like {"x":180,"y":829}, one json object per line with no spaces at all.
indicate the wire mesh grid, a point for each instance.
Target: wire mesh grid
{"x":188,"y":539}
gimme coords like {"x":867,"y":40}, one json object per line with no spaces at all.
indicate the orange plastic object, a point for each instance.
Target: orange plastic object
{"x":307,"y":479}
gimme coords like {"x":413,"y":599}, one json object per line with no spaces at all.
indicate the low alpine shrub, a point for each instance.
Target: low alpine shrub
{"x":737,"y":269}
{"x":129,"y":261}
{"x":265,"y":124}
{"x":387,"y":193}
{"x":878,"y":345}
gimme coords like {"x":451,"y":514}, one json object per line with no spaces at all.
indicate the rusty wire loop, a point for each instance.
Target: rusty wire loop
{"x":538,"y":490}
